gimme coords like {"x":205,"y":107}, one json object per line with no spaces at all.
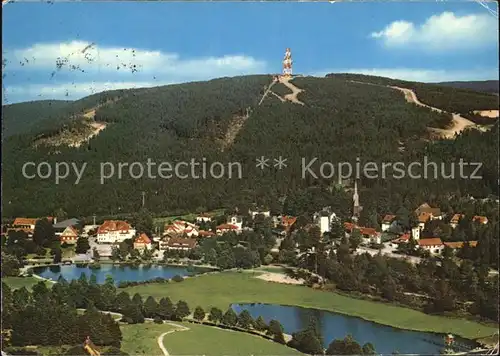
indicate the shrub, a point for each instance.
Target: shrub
{"x":199,"y":313}
{"x":158,"y":320}
{"x":177,"y":278}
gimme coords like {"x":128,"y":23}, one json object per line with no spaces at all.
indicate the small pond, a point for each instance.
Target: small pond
{"x":336,"y":326}
{"x":118,"y":272}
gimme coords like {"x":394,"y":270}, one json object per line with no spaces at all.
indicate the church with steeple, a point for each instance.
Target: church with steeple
{"x":356,"y":211}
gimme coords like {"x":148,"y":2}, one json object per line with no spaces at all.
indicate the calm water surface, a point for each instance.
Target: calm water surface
{"x":119,"y":273}
{"x":336,"y":326}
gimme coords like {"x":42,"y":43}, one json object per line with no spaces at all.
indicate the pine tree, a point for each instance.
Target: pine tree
{"x":229,"y":318}
{"x":122,"y":301}
{"x":166,"y":308}
{"x":245,"y":320}
{"x":150,"y":307}
{"x":260,"y":324}
{"x":181,"y":310}
{"x":215,"y":315}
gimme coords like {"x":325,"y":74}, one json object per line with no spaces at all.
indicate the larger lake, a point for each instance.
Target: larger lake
{"x":336,"y":326}
{"x":118,"y":272}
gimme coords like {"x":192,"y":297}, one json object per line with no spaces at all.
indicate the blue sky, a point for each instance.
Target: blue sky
{"x":179,"y":42}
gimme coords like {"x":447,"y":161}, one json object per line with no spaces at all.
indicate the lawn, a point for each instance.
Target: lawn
{"x":19,"y":282}
{"x":67,"y":253}
{"x":222,"y":289}
{"x":141,"y":339}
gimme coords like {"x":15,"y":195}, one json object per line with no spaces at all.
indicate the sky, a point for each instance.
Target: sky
{"x":69,"y":50}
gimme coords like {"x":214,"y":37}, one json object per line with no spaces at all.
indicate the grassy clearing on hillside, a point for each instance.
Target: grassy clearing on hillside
{"x":210,"y":341}
{"x":222,"y":289}
{"x":19,"y":282}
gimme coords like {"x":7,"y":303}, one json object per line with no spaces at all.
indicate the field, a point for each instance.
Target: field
{"x":199,"y":340}
{"x":222,"y":289}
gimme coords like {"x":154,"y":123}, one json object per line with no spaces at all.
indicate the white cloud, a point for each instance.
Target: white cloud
{"x":78,"y":56}
{"x":86,"y":68}
{"x":421,"y":74}
{"x":73,"y":91}
{"x":69,"y":91}
{"x":442,"y":32}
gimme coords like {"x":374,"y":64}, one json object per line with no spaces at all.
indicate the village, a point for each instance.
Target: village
{"x":184,"y":236}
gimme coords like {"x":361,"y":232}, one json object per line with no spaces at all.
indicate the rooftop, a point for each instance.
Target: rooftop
{"x":65,"y":223}
{"x":433,"y":241}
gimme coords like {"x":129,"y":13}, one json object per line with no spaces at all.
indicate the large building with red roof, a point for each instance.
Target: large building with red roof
{"x":115,"y":231}
{"x":143,"y":242}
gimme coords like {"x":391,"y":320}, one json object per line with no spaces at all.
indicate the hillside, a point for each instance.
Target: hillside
{"x":20,"y":118}
{"x":487,"y":86}
{"x":220,"y":120}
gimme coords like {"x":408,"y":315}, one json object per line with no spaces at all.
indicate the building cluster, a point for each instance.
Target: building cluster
{"x":182,"y":235}
{"x":425,"y":214}
{"x":177,"y":235}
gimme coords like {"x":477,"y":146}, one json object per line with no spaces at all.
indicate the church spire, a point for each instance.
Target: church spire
{"x":356,"y":207}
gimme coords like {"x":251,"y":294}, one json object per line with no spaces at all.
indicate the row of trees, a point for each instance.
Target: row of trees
{"x":42,"y":317}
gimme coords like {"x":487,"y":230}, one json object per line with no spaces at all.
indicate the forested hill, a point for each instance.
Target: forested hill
{"x":221,"y":120}
{"x":488,"y":86}
{"x":22,"y":117}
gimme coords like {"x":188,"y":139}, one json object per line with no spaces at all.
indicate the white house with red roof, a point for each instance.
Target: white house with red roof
{"x":236,"y":220}
{"x":143,"y":242}
{"x":434,"y":245}
{"x":388,"y":222}
{"x":203,"y":233}
{"x":69,"y":236}
{"x":115,"y":231}
{"x":180,"y":227}
{"x":28,"y":224}
{"x":223,"y":228}
{"x":480,"y":219}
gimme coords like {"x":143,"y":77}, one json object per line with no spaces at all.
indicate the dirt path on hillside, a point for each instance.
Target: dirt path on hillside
{"x":460,"y":123}
{"x":292,"y":97}
{"x":234,"y":128}
{"x":493,"y":114}
{"x":295,"y":91}
{"x":96,"y":127}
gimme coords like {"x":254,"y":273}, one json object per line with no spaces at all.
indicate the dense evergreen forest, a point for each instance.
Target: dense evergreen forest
{"x":23,"y":117}
{"x":487,"y":86}
{"x":448,"y":98}
{"x":340,"y":121}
